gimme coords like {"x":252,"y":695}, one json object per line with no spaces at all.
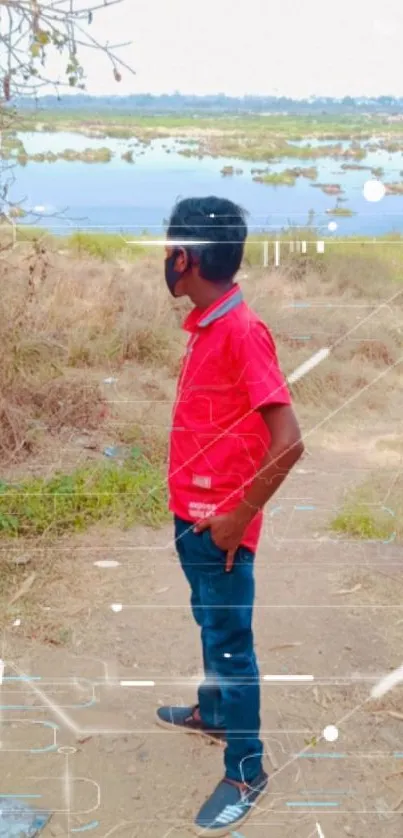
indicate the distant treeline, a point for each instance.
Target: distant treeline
{"x":219,"y":103}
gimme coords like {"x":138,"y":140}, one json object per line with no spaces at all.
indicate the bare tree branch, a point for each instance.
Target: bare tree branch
{"x":30,"y":31}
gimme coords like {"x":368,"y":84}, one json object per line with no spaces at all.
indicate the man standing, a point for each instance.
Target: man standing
{"x":234,"y":439}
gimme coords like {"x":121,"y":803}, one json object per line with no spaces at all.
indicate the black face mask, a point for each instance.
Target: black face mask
{"x":171,"y":275}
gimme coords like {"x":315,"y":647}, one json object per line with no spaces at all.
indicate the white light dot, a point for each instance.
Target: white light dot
{"x":332,"y":226}
{"x":374,"y":190}
{"x":227,"y":654}
{"x":107,"y":563}
{"x":331,"y":733}
{"x":116,"y":606}
{"x":17,"y":623}
{"x":212,"y":215}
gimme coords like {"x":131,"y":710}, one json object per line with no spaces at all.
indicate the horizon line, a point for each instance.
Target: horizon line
{"x":311,"y":99}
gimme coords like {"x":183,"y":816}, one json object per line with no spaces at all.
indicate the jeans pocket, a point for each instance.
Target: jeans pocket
{"x":211,"y":545}
{"x":214,"y":555}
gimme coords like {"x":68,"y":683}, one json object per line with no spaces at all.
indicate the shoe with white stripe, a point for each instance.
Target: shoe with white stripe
{"x":229,"y":806}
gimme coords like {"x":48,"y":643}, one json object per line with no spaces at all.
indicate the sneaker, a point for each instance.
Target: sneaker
{"x":229,"y":806}
{"x":188,"y":719}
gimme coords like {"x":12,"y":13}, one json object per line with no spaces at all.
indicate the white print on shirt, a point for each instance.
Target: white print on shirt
{"x":201,"y":510}
{"x":203,"y":482}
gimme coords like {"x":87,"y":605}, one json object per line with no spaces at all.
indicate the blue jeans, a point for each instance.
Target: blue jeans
{"x":222,"y":605}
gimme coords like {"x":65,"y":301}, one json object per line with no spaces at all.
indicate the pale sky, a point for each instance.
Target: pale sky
{"x":291,"y":48}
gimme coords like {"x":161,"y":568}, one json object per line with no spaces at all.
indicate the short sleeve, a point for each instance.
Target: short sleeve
{"x":258,"y":369}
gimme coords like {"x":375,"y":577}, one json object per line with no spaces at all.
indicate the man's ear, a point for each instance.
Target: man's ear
{"x":182,"y":261}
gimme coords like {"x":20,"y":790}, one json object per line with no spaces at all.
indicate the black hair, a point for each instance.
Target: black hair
{"x":217,"y":221}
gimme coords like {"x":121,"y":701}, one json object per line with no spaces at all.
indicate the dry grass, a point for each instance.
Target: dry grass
{"x":339,"y":304}
{"x":61,"y":315}
{"x":65,"y":316}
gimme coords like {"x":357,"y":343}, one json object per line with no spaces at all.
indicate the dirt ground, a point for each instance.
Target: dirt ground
{"x":326,"y":607}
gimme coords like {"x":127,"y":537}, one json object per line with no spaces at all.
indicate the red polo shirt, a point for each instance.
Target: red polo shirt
{"x":218,"y":437}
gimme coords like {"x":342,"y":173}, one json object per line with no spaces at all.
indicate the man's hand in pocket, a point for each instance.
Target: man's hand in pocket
{"x":226,"y":531}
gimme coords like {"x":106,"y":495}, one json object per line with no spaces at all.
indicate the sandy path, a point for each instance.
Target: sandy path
{"x":138,"y":781}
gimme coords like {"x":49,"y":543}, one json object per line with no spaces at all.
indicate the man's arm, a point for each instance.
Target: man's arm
{"x":285,"y":450}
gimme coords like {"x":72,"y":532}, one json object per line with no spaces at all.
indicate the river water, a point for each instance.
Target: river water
{"x":119,"y":196}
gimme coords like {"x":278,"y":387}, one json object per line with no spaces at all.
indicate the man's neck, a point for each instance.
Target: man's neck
{"x":217,"y":292}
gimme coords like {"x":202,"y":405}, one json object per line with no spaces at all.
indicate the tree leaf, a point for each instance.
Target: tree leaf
{"x":42,"y":37}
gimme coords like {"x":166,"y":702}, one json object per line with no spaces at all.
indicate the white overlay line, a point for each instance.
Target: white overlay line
{"x":168,"y":243}
{"x":309,"y":365}
{"x":288,"y":678}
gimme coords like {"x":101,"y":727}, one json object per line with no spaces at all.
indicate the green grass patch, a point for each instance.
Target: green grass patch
{"x":266,"y":146}
{"x":103,"y":246}
{"x":126,"y":494}
{"x":106,"y":246}
{"x":361,"y":522}
{"x":89,"y":155}
{"x":365,"y":515}
{"x":293,"y":126}
{"x":384,"y":252}
{"x":285,"y":178}
{"x":341,"y":212}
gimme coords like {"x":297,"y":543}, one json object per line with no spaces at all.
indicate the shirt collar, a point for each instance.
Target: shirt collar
{"x":198,"y":319}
